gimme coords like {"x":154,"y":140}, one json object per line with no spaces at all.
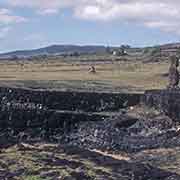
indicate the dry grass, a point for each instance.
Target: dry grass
{"x":164,"y":158}
{"x":134,"y":74}
{"x":33,"y":162}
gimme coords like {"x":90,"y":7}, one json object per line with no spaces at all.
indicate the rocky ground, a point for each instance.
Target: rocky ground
{"x":138,"y":144}
{"x":47,"y":161}
{"x":137,"y":129}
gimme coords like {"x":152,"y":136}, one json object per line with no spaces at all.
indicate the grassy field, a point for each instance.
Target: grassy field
{"x":51,"y":160}
{"x":112,"y":75}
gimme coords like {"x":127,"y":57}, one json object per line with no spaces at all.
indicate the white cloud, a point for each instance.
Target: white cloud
{"x":4,"y":32}
{"x":6,"y":20}
{"x":6,"y":17}
{"x":164,"y":15}
{"x":44,"y":4}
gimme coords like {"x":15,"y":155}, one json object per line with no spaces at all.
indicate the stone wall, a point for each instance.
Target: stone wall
{"x":168,"y":101}
{"x":21,"y":108}
{"x":85,"y":101}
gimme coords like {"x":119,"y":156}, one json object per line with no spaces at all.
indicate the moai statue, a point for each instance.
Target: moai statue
{"x":173,"y":73}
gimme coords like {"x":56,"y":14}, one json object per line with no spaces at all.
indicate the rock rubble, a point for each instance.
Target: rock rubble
{"x":144,"y":133}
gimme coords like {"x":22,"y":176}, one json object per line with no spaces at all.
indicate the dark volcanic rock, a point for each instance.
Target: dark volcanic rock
{"x":168,"y":101}
{"x":22,"y":109}
{"x":138,"y":134}
{"x":63,"y":100}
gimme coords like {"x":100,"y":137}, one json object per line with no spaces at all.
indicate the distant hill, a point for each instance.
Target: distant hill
{"x":55,"y":50}
{"x":166,"y":49}
{"x":170,"y":46}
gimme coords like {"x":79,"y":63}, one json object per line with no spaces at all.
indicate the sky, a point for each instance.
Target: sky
{"x":29,"y":24}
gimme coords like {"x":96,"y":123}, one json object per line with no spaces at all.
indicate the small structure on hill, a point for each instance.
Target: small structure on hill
{"x":119,"y":52}
{"x":173,"y":72}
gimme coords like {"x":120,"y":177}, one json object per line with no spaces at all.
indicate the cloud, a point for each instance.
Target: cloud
{"x":6,"y":17}
{"x":4,"y":32}
{"x":164,"y":15}
{"x":44,"y":4}
{"x":45,"y":7}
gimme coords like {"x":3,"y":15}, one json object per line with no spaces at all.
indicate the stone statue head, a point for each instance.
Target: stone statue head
{"x":174,"y":61}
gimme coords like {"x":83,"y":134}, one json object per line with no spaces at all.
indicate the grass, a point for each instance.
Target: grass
{"x":164,"y":158}
{"x":74,"y":163}
{"x":49,"y":159}
{"x":137,"y":75}
{"x":33,"y":178}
